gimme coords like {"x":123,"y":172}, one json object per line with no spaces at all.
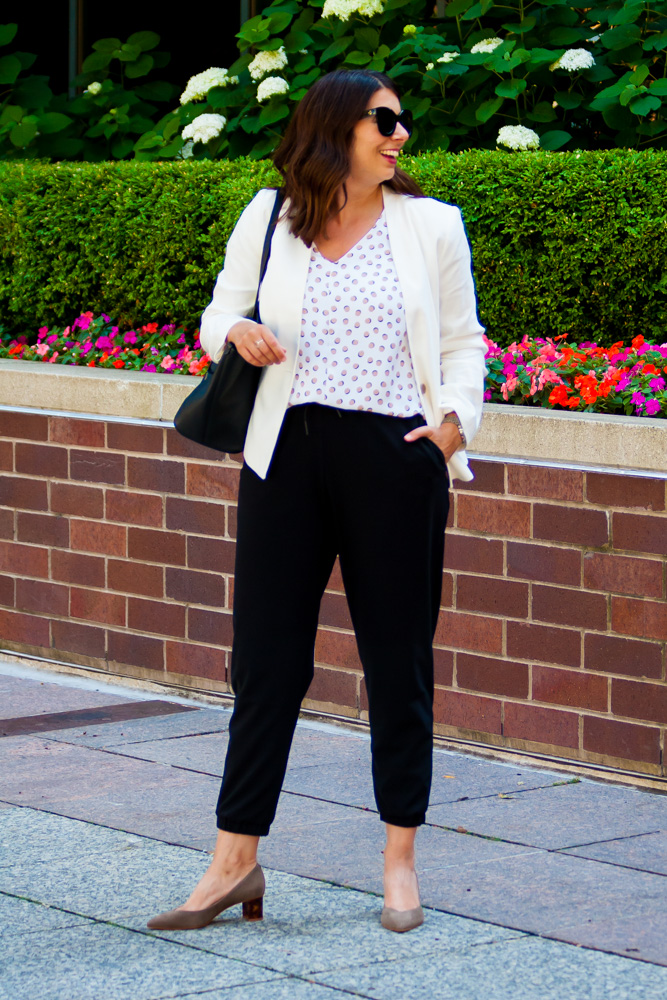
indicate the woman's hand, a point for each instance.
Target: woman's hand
{"x":446,"y":436}
{"x":256,"y":344}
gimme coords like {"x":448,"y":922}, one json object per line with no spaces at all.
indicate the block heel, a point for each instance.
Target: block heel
{"x":253,"y":909}
{"x":249,"y":891}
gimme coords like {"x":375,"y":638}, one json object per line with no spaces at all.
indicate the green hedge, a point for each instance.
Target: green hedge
{"x":563,"y":243}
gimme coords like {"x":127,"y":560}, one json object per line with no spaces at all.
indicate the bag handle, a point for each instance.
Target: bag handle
{"x":266,"y":252}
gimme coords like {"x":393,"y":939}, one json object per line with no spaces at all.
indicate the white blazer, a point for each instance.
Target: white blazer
{"x":432,"y":259}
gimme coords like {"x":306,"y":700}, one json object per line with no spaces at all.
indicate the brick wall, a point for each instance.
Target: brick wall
{"x":117,"y":551}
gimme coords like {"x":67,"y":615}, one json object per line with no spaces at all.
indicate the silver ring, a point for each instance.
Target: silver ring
{"x":258,"y":342}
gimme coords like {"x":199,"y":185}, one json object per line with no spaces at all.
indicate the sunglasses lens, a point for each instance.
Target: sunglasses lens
{"x":405,"y":118}
{"x":386,"y":121}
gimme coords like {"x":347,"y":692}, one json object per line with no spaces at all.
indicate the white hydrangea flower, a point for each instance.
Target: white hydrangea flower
{"x":410,"y":29}
{"x":271,"y":86}
{"x":344,"y":9}
{"x":486,"y":45}
{"x":267,"y":61}
{"x":93,"y":88}
{"x":518,"y":137}
{"x":199,"y":85}
{"x":574,"y":60}
{"x":446,"y":57}
{"x":204,"y":128}
{"x":186,"y":150}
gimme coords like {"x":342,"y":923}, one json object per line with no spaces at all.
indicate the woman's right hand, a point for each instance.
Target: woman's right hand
{"x":256,"y":344}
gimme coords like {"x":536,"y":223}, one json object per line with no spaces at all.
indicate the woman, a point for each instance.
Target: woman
{"x":369,"y":338}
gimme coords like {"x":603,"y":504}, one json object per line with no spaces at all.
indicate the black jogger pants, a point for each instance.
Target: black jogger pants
{"x":344,"y":483}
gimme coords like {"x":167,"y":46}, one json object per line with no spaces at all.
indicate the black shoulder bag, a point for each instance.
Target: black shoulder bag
{"x":217,"y":412}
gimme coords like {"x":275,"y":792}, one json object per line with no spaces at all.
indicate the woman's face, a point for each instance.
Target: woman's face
{"x":373,"y":156}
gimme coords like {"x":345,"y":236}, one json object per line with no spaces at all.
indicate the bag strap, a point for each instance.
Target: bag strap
{"x":266,"y":252}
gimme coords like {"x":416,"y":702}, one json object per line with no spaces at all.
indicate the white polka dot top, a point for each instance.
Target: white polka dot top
{"x":353,"y":351}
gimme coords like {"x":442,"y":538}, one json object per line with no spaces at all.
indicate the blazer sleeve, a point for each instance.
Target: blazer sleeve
{"x":462,"y":347}
{"x":236,"y":286}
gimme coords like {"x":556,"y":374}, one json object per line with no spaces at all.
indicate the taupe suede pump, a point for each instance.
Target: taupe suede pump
{"x":249,"y":891}
{"x":401,"y":920}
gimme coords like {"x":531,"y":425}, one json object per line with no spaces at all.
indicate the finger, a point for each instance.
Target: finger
{"x":418,"y":432}
{"x":275,"y":350}
{"x":250,"y":355}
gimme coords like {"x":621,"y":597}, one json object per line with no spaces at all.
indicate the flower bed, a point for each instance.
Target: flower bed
{"x":546,"y":372}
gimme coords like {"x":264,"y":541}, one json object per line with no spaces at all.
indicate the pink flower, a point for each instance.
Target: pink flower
{"x":657,"y":383}
{"x":507,"y":387}
{"x":52,"y":339}
{"x":130,"y":338}
{"x":652,"y":406}
{"x":148,"y":368}
{"x":53,"y":357}
{"x":43,"y":330}
{"x":42,"y":349}
{"x":487,"y":395}
{"x":104,"y":343}
{"x":83,"y":321}
{"x":167,"y":363}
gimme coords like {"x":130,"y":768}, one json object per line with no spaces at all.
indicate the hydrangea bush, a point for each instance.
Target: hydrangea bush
{"x":538,"y":371}
{"x":576,"y":78}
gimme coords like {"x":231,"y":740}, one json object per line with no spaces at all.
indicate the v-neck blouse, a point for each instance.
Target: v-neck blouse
{"x":353,"y":349}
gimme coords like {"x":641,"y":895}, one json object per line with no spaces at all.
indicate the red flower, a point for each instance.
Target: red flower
{"x":637,"y":341}
{"x":119,"y":364}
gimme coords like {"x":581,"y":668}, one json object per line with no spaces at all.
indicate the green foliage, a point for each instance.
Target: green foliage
{"x":563,"y":243}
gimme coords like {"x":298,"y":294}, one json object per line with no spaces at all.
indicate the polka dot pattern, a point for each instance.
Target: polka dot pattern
{"x":353,"y":350}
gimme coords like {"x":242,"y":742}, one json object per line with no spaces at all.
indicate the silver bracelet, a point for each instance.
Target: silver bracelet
{"x":452,"y":418}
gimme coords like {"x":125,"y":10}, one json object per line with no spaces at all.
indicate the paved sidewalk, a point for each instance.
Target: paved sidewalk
{"x":539,"y":886}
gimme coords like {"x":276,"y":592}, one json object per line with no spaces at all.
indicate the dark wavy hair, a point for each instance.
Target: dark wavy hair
{"x":314,"y":155}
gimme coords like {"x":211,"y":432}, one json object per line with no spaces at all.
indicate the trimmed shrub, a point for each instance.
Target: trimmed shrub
{"x":563,"y":243}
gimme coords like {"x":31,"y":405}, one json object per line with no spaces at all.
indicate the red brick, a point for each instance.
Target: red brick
{"x":86,"y":571}
{"x":156,"y":616}
{"x":23,"y":560}
{"x":639,"y":700}
{"x":625,"y":491}
{"x":179,"y":445}
{"x":451,"y":511}
{"x":335,"y":580}
{"x":27,"y":629}
{"x":97,"y":606}
{"x":7,"y":591}
{"x":570,"y":687}
{"x":335,"y":612}
{"x":138,"y":650}
{"x":574,"y":525}
{"x":31,"y":494}
{"x":495,"y":597}
{"x":195,"y":588}
{"x":489,"y":477}
{"x":159,"y":475}
{"x":492,"y":516}
{"x":43,"y":598}
{"x":7,"y":456}
{"x":97,"y":467}
{"x":217,"y":481}
{"x":631,"y":742}
{"x":640,"y":533}
{"x":70,"y":637}
{"x":196,"y":516}
{"x":613,"y":655}
{"x":443,"y":666}
{"x":469,"y":632}
{"x":216,"y":554}
{"x":337,"y":649}
{"x":473,"y":554}
{"x":529,"y":641}
{"x":135,"y":437}
{"x":44,"y":529}
{"x":469,"y":712}
{"x":623,"y":575}
{"x":130,"y":577}
{"x":41,"y":460}
{"x":156,"y":546}
{"x":334,"y":687}
{"x":547,"y":563}
{"x":645,"y":619}
{"x":6,"y":523}
{"x":214,"y":627}
{"x":447,"y":591}
{"x":82,"y":501}
{"x":232,"y":516}
{"x":70,"y":430}
{"x":197,"y":661}
{"x":545,"y":483}
{"x":570,"y":607}
{"x":548,"y":726}
{"x":30,"y":426}
{"x":96,"y":536}
{"x":134,"y":508}
{"x":481,"y":673}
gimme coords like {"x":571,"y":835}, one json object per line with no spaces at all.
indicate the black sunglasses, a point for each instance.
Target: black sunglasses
{"x":386,"y":120}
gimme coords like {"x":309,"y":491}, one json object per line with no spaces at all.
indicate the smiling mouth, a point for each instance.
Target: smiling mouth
{"x":391,"y":155}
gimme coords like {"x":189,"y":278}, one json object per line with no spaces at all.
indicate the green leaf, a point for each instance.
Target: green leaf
{"x":10,"y":67}
{"x":630,"y":92}
{"x":53,"y":121}
{"x":128,"y":53}
{"x":521,"y":26}
{"x":540,"y":56}
{"x":487,"y":109}
{"x":157,"y":90}
{"x":144,"y":40}
{"x":141,"y":67}
{"x":23,"y":134}
{"x":564,"y":36}
{"x":554,"y":139}
{"x":659,"y":87}
{"x":336,"y":47}
{"x":510,"y":88}
{"x":7,"y":33}
{"x":148,"y":141}
{"x":367,"y":39}
{"x":96,"y":61}
{"x":11,"y":113}
{"x":640,"y":74}
{"x":656,"y":42}
{"x":297,"y":40}
{"x":457,"y":7}
{"x":33,"y":92}
{"x":621,"y":37}
{"x":477,"y":10}
{"x":568,"y":99}
{"x":627,"y":14}
{"x":107,"y":45}
{"x":273,"y":112}
{"x":279,"y":20}
{"x":122,"y":147}
{"x":644,"y":104}
{"x":356,"y":58}
{"x":542,"y":112}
